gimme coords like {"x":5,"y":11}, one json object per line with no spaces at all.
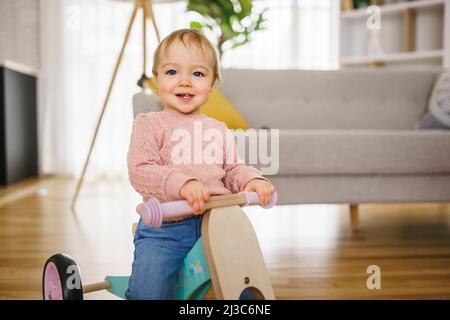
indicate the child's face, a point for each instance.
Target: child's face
{"x":184,"y":77}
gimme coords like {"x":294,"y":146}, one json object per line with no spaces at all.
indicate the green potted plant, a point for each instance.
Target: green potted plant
{"x":231,"y":21}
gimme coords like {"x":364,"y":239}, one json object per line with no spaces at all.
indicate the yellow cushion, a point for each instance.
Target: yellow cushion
{"x":217,"y":107}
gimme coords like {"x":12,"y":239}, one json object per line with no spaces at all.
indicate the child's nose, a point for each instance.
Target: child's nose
{"x":184,"y":81}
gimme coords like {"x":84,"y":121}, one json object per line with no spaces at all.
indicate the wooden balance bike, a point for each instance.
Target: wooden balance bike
{"x":228,"y":255}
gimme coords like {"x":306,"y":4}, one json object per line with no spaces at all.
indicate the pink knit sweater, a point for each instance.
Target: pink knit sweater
{"x":151,"y":168}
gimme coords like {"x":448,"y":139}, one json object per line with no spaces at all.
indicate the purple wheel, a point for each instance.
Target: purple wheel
{"x":61,"y":279}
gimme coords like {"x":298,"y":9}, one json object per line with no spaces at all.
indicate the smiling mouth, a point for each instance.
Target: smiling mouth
{"x":184,"y":97}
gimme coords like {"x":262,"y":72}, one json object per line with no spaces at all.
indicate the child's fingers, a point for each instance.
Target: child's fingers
{"x":266,"y":195}
{"x":269,"y":194}
{"x":196,"y":208}
{"x":272,"y":189}
{"x":206,"y":194}
{"x":269,"y":190}
{"x":193,"y":203}
{"x":261,"y":195}
{"x":200,"y":208}
{"x":196,"y":201}
{"x":199,"y":203}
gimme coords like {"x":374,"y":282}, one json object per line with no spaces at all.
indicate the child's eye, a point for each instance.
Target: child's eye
{"x":198,"y":74}
{"x":171,"y":72}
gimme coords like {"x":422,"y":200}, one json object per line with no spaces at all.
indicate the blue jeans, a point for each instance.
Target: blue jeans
{"x":158,"y":255}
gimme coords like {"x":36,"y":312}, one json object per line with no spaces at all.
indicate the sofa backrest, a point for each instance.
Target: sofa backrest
{"x":343,"y":99}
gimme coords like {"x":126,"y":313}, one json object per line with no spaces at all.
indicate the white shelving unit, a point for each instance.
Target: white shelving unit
{"x":412,"y":33}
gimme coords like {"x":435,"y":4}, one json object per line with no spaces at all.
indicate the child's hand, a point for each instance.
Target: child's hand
{"x":196,"y":193}
{"x":263,"y":188}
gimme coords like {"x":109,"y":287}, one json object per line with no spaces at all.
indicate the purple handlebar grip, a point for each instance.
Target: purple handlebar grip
{"x":253,"y":198}
{"x":152,"y":212}
{"x":176,"y":209}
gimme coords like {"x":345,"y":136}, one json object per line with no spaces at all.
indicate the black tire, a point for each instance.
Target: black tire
{"x":251,"y":293}
{"x":67,"y":270}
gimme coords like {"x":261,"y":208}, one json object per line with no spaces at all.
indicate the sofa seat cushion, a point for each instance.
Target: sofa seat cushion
{"x":331,"y":152}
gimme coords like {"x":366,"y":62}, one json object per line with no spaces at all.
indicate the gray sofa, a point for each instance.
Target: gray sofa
{"x":347,"y":137}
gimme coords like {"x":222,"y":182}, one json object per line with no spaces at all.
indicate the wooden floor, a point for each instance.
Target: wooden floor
{"x":310,"y":250}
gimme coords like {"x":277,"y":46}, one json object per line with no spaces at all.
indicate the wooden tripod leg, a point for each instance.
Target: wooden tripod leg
{"x":145,"y":14}
{"x":119,"y":59}
{"x":149,"y":6}
{"x":235,"y":261}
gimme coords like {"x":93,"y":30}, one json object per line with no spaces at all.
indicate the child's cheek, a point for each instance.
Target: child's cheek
{"x":165,"y":89}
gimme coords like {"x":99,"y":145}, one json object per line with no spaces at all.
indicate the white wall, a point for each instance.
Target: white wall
{"x":19,"y":32}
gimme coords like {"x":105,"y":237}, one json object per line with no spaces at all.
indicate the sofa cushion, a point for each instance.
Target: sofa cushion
{"x":344,"y":99}
{"x":331,"y":152}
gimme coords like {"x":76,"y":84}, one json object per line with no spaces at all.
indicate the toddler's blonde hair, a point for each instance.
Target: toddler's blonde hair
{"x":187,"y":37}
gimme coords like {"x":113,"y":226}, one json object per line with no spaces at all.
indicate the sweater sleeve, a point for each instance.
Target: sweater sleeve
{"x":237,"y":174}
{"x":147,"y":175}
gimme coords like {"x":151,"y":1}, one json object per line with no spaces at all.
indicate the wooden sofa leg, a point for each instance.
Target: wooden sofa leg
{"x":354,"y":215}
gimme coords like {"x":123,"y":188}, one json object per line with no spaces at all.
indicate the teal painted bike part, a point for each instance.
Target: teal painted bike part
{"x":119,"y":285}
{"x":194,"y":276}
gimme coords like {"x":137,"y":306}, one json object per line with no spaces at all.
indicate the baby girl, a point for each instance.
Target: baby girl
{"x":185,"y":68}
